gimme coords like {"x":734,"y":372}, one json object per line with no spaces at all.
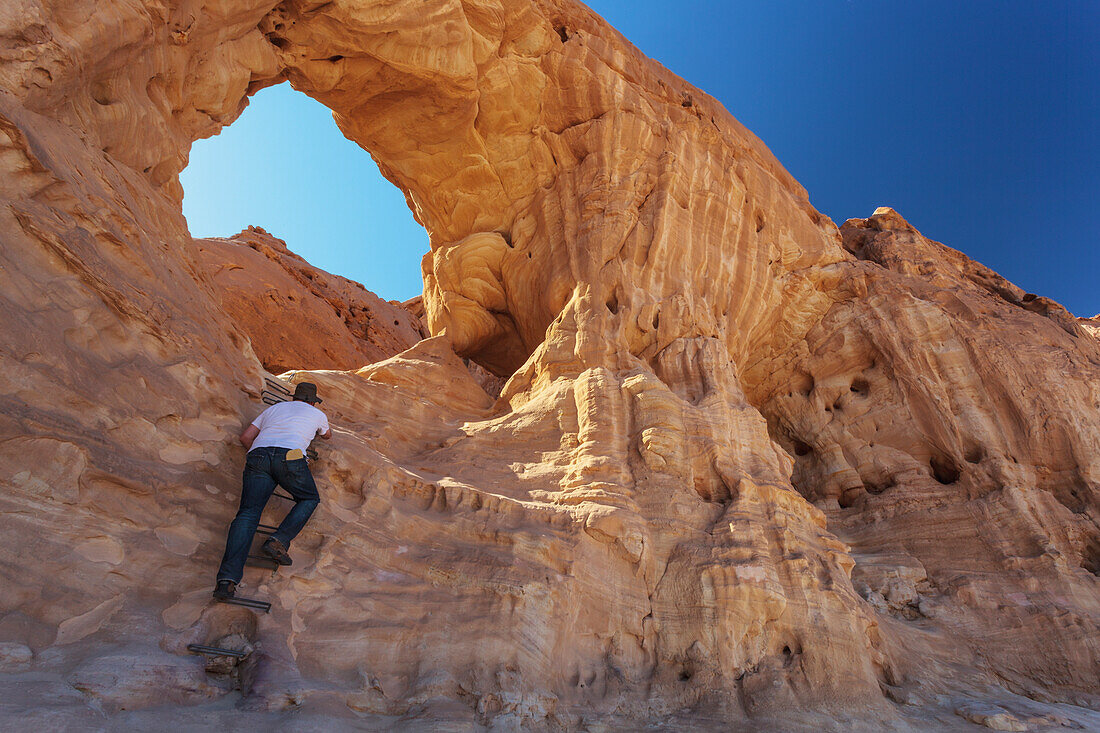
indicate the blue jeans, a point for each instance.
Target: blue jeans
{"x":263,"y":469}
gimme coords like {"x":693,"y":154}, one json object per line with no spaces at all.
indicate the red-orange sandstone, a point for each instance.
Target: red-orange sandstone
{"x":748,"y":470}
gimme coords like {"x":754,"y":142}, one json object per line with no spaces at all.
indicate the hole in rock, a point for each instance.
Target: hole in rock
{"x":802,"y":449}
{"x":285,"y":167}
{"x":790,"y":651}
{"x":944,"y":470}
{"x":860,"y":386}
{"x":974,"y":454}
{"x":850,"y":497}
{"x":563,"y":34}
{"x":804,"y":383}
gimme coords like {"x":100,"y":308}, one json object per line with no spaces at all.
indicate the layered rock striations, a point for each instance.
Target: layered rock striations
{"x":746,"y":469}
{"x":947,"y":421}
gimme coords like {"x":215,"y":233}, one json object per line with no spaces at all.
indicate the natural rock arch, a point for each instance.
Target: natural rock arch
{"x":489,"y":123}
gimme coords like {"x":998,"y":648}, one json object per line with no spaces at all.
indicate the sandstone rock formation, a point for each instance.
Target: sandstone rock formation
{"x":747,"y":469}
{"x":297,"y":316}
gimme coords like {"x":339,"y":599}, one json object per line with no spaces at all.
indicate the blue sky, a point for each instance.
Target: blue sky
{"x":979,"y":121}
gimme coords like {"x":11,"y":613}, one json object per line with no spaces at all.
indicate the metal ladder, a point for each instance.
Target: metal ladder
{"x":214,"y":651}
{"x":260,"y":561}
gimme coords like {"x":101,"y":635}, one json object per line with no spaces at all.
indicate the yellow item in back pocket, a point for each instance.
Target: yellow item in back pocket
{"x":293,"y":455}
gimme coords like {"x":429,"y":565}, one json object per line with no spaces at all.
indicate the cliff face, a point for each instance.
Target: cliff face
{"x":297,"y":316}
{"x":746,"y":467}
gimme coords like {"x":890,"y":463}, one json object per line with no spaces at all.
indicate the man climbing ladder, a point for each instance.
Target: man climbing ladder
{"x":276,"y":443}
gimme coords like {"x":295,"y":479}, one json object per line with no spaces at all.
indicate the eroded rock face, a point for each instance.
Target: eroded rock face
{"x":746,"y":468}
{"x":942,"y":415}
{"x":297,"y":316}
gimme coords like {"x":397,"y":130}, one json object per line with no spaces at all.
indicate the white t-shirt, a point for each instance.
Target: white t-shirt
{"x":289,"y":425}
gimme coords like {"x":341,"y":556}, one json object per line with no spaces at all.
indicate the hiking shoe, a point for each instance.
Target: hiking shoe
{"x":225,"y":589}
{"x":275,"y":550}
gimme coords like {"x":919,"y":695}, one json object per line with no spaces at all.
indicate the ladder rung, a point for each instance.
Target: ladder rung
{"x":215,"y":651}
{"x":247,"y":603}
{"x":276,"y":385}
{"x":263,"y":561}
{"x":284,"y":496}
{"x":266,"y":528}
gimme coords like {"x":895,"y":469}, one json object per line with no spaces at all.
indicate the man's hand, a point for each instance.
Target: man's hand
{"x":248,"y":436}
{"x":326,"y":436}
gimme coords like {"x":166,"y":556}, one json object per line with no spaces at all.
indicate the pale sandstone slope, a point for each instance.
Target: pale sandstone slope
{"x":747,"y":469}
